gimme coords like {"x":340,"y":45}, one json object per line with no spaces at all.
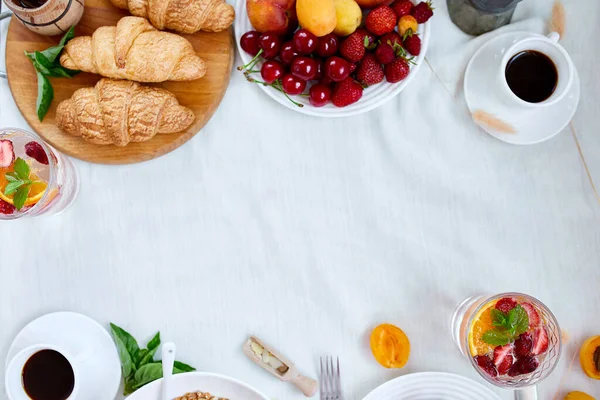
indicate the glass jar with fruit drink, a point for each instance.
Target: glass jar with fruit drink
{"x":35,"y":179}
{"x":513,"y":340}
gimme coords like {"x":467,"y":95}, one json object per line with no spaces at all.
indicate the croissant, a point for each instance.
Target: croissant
{"x":136,"y":51}
{"x":120,"y":112}
{"x":185,"y":16}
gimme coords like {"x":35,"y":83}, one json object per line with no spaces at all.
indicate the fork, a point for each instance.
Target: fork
{"x":330,"y":385}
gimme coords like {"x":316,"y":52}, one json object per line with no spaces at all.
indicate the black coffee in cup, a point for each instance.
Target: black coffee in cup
{"x":48,"y":375}
{"x":532,"y":76}
{"x":30,"y":3}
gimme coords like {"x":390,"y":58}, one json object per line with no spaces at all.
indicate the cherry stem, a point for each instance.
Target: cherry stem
{"x":252,"y":62}
{"x":280,"y":88}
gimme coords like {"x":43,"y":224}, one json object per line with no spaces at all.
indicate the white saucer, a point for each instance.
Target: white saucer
{"x":432,"y":386}
{"x":533,"y":125}
{"x":100,"y":374}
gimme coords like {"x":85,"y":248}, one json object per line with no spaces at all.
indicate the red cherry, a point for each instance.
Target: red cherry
{"x":304,"y":68}
{"x":337,"y":68}
{"x":287,"y":53}
{"x":319,"y":94}
{"x":271,"y":70}
{"x":305,"y":42}
{"x":292,"y":84}
{"x":328,"y":45}
{"x":270,"y":44}
{"x":325,"y":80}
{"x":320,"y":68}
{"x":249,"y":42}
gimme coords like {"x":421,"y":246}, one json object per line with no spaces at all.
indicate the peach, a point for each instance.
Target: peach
{"x":273,"y":16}
{"x":373,"y":3}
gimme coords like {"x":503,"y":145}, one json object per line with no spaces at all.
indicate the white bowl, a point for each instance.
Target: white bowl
{"x":373,"y":96}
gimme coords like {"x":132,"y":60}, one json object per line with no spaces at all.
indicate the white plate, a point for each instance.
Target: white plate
{"x":217,"y":385}
{"x":533,"y":125}
{"x":100,"y":374}
{"x":431,"y":386}
{"x":373,"y":96}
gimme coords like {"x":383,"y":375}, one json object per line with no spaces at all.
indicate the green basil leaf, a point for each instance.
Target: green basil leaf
{"x":498,"y":317}
{"x":182,"y":367}
{"x":42,"y":59}
{"x":52,"y":53}
{"x":45,"y":96}
{"x":496,"y":338}
{"x":60,"y":72}
{"x":31,"y":56}
{"x":68,"y":36}
{"x":148,"y":373}
{"x":21,"y":196}
{"x":129,"y":382}
{"x":12,"y":187}
{"x":518,"y":320}
{"x":148,"y":357}
{"x":129,"y":341}
{"x":21,"y":168}
{"x":126,"y":363}
{"x":154,"y":342}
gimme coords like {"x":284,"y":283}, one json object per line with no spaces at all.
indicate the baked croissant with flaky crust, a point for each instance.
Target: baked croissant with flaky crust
{"x":185,"y":16}
{"x":136,"y":51}
{"x":120,"y":112}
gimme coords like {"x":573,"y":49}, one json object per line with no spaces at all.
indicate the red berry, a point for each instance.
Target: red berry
{"x":486,"y":364}
{"x":35,"y":151}
{"x":381,"y":20}
{"x":287,"y":53}
{"x":346,"y":92}
{"x":370,"y":71}
{"x":292,"y":84}
{"x":271,"y":70}
{"x":7,"y":153}
{"x":534,"y":316}
{"x":412,"y":44}
{"x":353,"y":47}
{"x":524,"y":345}
{"x":270,"y":44}
{"x":540,"y":341}
{"x":506,"y":304}
{"x":328,"y":45}
{"x":365,"y":34}
{"x":392,"y":38}
{"x":422,"y":12}
{"x":319,"y":95}
{"x":304,"y":67}
{"x":6,"y":208}
{"x":249,"y":42}
{"x":524,"y":365}
{"x":336,"y":68}
{"x":325,"y":80}
{"x":402,"y":7}
{"x":385,"y":53}
{"x":503,"y":358}
{"x":397,"y":70}
{"x":305,"y":42}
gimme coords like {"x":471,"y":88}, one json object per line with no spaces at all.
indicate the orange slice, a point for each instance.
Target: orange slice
{"x":36,"y":192}
{"x":481,"y":324}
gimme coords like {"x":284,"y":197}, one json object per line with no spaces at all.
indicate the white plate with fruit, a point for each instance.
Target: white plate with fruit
{"x":348,"y":57}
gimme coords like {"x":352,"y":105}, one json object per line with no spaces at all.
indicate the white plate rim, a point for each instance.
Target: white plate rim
{"x":330,"y":111}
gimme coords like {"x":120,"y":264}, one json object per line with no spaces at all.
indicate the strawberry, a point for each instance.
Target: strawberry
{"x":524,"y":365}
{"x":385,"y":53}
{"x":402,"y":7}
{"x":366,"y":34}
{"x":487,"y":365}
{"x":397,"y":70}
{"x":534,"y":316}
{"x":35,"y":151}
{"x":346,"y":92}
{"x":506,"y":304}
{"x":6,"y":208}
{"x":391,"y":38}
{"x":7,"y":153}
{"x":523,"y":345}
{"x":540,"y":341}
{"x":353,"y":47}
{"x":503,"y":358}
{"x":381,"y":20}
{"x":412,"y":44}
{"x":422,"y":12}
{"x":370,"y":71}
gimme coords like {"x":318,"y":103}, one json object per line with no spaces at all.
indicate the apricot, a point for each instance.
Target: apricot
{"x":318,"y":16}
{"x":578,"y":396}
{"x":589,"y":357}
{"x":390,"y":346}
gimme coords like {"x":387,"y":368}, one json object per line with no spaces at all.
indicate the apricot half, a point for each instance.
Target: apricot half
{"x":578,"y":396}
{"x":390,"y":346}
{"x":589,"y":356}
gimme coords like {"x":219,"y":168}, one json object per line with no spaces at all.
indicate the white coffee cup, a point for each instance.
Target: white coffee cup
{"x":549,"y":46}
{"x":14,"y":372}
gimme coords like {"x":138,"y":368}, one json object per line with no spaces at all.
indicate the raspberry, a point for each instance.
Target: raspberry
{"x":506,"y":304}
{"x":524,"y":345}
{"x":35,"y":151}
{"x":524,"y":365}
{"x":487,"y":365}
{"x":422,"y":12}
{"x":6,"y":208}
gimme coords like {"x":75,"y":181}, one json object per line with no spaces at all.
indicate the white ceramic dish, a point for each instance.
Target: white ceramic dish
{"x":431,"y":386}
{"x":99,"y":371}
{"x":217,"y":385}
{"x":533,"y":125}
{"x":373,"y":96}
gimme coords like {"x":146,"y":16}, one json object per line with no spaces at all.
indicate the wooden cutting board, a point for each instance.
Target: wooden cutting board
{"x":202,"y":96}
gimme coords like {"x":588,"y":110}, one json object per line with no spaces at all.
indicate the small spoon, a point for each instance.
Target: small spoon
{"x":168,"y":360}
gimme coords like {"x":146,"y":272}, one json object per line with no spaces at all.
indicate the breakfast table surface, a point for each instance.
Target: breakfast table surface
{"x":309,"y":232}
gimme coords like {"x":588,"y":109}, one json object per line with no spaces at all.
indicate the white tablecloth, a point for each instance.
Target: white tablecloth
{"x":308,"y":232}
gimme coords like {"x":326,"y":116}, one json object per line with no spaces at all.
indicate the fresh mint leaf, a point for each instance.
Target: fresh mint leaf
{"x":518,"y":320}
{"x":496,"y":337}
{"x":148,"y":373}
{"x":154,"y":342}
{"x":21,"y":196}
{"x":12,"y":187}
{"x":182,"y":367}
{"x":45,"y":96}
{"x":68,"y":36}
{"x":498,"y":318}
{"x":21,"y":168}
{"x":12,"y":175}
{"x":10,"y":178}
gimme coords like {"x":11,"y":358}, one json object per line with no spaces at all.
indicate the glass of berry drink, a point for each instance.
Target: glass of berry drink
{"x":513,"y":340}
{"x":35,"y":179}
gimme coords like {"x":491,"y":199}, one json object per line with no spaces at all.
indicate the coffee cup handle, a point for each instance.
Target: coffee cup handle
{"x":4,"y":16}
{"x":554,"y":37}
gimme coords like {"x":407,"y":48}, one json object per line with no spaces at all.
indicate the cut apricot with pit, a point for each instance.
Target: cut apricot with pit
{"x":578,"y":396}
{"x":390,"y":346}
{"x":589,"y":356}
